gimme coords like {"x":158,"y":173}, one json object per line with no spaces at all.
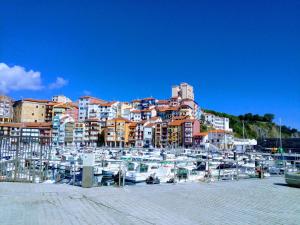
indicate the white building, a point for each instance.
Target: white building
{"x":61,"y":98}
{"x":103,"y":111}
{"x":183,"y":91}
{"x":149,"y":135}
{"x":220,"y":138}
{"x":84,"y":106}
{"x":136,"y":115}
{"x":219,"y":123}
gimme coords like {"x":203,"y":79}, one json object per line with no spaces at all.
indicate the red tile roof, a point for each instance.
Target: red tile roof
{"x":201,"y":134}
{"x":136,"y":100}
{"x":149,"y":98}
{"x":35,"y":100}
{"x":108,"y":104}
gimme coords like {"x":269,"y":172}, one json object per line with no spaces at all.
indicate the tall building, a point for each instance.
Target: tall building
{"x":30,"y":110}
{"x":183,"y":91}
{"x":6,"y":109}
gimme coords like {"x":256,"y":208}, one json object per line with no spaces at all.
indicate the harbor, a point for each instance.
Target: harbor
{"x":250,"y":201}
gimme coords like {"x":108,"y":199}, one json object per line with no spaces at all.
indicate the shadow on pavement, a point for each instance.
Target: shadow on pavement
{"x":285,"y":185}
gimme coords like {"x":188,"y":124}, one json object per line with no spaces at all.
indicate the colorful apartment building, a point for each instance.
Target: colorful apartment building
{"x":181,"y":132}
{"x":161,"y":135}
{"x":70,"y":109}
{"x":93,"y":130}
{"x":131,"y":134}
{"x":63,"y":130}
{"x":117,"y":132}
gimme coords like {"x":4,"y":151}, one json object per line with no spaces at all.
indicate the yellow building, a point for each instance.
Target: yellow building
{"x":30,"y":110}
{"x":175,"y":133}
{"x":117,"y":132}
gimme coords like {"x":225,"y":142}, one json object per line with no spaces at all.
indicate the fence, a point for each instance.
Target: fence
{"x":24,"y":159}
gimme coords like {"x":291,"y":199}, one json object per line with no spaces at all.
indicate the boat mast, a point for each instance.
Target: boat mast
{"x":243,"y":137}
{"x":280,"y":139}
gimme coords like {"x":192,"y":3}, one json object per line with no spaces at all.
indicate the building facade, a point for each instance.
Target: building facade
{"x":83,"y":105}
{"x":117,"y":132}
{"x":6,"y":109}
{"x":183,"y":91}
{"x":61,"y":99}
{"x":219,"y":123}
{"x":30,"y":110}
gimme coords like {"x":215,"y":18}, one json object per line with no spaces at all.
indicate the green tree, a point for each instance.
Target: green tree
{"x":268,"y":117}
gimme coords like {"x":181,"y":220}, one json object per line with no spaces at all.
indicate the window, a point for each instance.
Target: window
{"x":32,"y":114}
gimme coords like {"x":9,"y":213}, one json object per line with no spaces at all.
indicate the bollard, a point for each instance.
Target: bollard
{"x":88,"y":170}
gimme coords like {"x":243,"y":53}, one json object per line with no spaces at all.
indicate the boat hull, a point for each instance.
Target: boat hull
{"x":293,"y":179}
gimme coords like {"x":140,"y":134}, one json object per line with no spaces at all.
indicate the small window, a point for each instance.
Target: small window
{"x":32,"y":114}
{"x":37,"y":106}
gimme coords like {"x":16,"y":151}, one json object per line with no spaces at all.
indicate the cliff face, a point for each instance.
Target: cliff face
{"x":257,"y":126}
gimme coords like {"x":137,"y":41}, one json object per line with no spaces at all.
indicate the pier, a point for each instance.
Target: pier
{"x":251,"y":201}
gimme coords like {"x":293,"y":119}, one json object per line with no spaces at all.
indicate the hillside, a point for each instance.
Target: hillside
{"x":256,"y":126}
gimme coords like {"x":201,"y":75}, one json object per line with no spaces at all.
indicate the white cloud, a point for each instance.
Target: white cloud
{"x":16,"y":78}
{"x":59,"y":83}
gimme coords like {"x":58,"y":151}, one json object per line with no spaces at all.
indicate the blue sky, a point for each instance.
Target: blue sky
{"x":240,"y":56}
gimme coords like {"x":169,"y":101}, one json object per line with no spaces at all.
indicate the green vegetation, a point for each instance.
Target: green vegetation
{"x":256,"y":126}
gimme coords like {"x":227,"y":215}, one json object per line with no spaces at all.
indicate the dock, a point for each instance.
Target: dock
{"x":250,"y":201}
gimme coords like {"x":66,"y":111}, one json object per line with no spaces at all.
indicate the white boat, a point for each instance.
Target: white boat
{"x":139,"y":172}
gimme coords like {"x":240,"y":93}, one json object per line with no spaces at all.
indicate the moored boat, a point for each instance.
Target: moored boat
{"x":293,"y":179}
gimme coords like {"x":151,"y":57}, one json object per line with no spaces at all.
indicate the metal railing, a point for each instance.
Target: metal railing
{"x":24,"y":159}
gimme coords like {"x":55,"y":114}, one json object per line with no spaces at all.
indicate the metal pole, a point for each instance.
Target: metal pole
{"x":120,"y":174}
{"x":237,"y":169}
